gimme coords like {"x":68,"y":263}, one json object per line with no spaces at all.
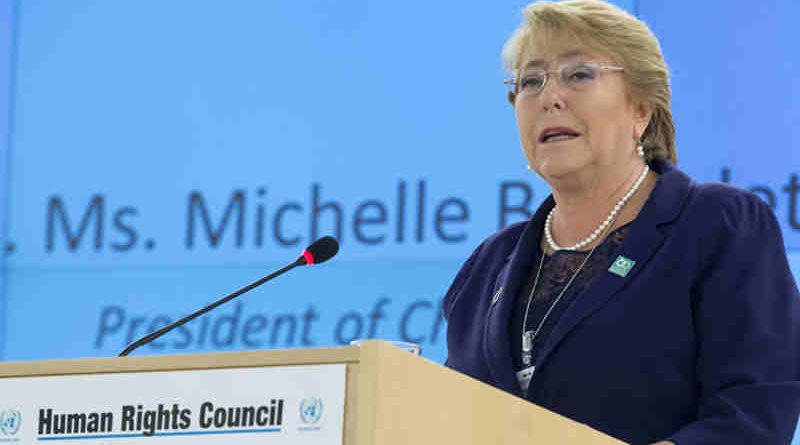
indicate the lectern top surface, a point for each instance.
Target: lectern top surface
{"x":283,"y":357}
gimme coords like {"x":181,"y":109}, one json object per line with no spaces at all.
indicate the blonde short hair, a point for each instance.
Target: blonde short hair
{"x":627,"y":40}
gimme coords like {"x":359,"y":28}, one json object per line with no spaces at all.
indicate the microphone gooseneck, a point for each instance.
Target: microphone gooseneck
{"x":319,"y":251}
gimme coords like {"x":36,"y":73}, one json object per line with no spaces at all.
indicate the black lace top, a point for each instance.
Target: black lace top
{"x":557,"y":270}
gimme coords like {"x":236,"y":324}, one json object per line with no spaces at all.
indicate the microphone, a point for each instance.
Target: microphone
{"x":319,"y":251}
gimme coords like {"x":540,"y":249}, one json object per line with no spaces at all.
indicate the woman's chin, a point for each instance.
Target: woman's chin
{"x":557,"y":170}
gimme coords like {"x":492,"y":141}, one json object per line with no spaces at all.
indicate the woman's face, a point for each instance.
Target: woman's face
{"x":578,"y":126}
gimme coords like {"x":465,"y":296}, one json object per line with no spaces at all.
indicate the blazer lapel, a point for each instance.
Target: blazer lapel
{"x":496,"y":344}
{"x":639,"y":245}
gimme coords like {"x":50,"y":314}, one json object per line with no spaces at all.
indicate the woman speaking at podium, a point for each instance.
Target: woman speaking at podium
{"x":635,"y":300}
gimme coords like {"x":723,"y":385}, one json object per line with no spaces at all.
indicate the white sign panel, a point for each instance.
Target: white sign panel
{"x":275,"y":405}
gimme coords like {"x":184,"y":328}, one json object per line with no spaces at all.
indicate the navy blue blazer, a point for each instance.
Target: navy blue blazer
{"x":699,"y":343}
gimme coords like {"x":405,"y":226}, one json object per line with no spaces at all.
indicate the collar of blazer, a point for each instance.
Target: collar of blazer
{"x":646,"y":234}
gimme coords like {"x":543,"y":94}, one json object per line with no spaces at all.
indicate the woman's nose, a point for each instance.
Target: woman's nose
{"x":551,"y":95}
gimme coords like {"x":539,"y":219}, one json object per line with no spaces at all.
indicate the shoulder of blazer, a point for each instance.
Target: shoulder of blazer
{"x":720,"y":212}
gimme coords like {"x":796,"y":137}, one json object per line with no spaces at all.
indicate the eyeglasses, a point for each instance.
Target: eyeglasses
{"x":576,"y":76}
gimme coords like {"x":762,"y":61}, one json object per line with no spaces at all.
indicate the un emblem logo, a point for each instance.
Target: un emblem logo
{"x":311,"y":410}
{"x":10,"y":421}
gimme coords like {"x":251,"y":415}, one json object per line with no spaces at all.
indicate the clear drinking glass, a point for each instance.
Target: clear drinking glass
{"x":404,"y":345}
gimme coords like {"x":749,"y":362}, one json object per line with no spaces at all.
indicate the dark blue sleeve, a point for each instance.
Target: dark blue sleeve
{"x":457,"y":285}
{"x":747,"y":318}
{"x":451,"y":297}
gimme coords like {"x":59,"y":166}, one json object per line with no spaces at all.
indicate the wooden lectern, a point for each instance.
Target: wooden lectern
{"x":391,"y":396}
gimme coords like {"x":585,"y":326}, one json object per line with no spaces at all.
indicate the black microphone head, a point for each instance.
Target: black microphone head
{"x":320,"y":250}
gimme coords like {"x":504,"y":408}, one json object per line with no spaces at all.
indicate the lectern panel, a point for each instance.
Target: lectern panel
{"x":278,"y":405}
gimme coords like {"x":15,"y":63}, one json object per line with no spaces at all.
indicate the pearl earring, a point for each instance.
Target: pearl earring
{"x":640,"y":150}
{"x":528,"y":167}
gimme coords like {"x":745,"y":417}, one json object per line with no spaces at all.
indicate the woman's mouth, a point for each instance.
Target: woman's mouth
{"x":557,"y":134}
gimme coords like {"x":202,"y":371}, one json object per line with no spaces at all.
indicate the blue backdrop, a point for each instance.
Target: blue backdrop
{"x":156,"y":155}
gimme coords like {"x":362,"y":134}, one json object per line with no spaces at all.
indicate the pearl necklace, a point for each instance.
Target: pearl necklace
{"x":548,"y":234}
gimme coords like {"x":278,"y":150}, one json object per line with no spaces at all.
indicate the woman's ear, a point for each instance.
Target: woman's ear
{"x":642,"y":113}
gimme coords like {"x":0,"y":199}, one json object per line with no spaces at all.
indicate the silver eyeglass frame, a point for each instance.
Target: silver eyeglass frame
{"x":513,"y":83}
